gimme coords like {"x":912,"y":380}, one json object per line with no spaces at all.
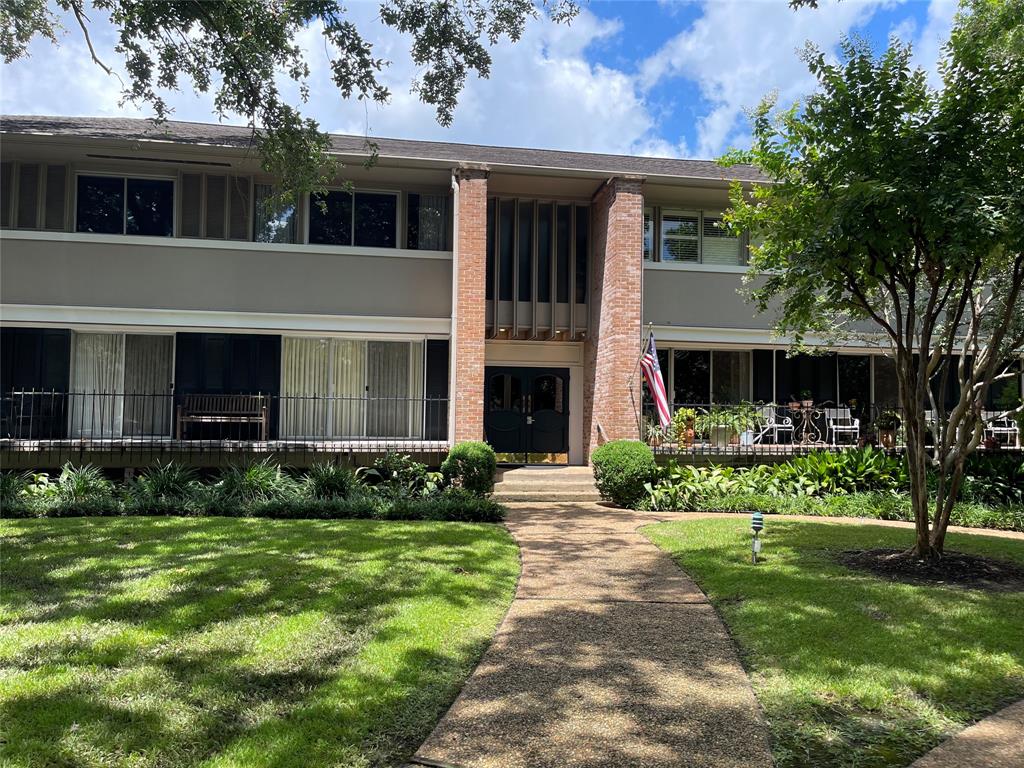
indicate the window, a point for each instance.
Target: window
{"x":719,"y":246}
{"x":352,"y":388}
{"x":648,"y":234}
{"x":273,"y":223}
{"x":695,"y":237}
{"x":680,"y":236}
{"x":116,"y":205}
{"x":367,"y":219}
{"x":428,"y":222}
{"x":730,"y":376}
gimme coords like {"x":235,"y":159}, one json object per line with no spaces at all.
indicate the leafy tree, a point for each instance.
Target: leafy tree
{"x":238,"y":48}
{"x":894,"y":215}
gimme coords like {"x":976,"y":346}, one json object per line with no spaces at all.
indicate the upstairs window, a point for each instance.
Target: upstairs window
{"x":428,"y":222}
{"x":119,"y":205}
{"x":366,"y":219}
{"x":272,"y":223}
{"x":694,"y":237}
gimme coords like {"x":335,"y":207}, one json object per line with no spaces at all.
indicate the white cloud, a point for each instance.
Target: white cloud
{"x":738,"y":51}
{"x":929,"y":44}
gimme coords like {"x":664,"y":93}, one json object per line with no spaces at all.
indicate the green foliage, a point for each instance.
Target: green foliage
{"x":245,"y":52}
{"x":12,"y":487}
{"x":994,"y":478}
{"x":471,"y":465}
{"x":404,"y":490}
{"x":331,"y":481}
{"x":621,"y":470}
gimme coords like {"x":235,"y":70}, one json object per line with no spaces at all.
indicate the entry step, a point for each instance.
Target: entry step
{"x":563,"y":484}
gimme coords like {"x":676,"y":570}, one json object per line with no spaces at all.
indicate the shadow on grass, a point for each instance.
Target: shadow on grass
{"x":854,"y":670}
{"x":174,"y":641}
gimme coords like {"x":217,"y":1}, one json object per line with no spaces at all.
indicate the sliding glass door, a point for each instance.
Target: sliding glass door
{"x":340,"y":388}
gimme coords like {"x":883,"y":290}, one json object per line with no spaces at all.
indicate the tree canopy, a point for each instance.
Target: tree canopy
{"x":893,"y":215}
{"x":238,"y":49}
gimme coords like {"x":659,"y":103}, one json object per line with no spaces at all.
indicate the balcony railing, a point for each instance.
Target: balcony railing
{"x":780,"y":429}
{"x":51,"y":421}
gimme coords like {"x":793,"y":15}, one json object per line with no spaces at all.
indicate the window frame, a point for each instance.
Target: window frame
{"x":399,"y":196}
{"x":124,"y":176}
{"x":656,"y":215}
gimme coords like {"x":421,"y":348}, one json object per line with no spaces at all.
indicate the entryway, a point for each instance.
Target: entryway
{"x":526,"y":414}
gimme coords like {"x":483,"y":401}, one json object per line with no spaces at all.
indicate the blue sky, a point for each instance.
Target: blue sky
{"x":643,"y":77}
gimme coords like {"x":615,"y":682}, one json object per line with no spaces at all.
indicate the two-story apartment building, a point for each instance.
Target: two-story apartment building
{"x":449,"y":292}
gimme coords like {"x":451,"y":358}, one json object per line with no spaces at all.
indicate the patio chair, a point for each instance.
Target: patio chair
{"x":840,"y":421}
{"x":773,"y":424}
{"x":998,"y":425}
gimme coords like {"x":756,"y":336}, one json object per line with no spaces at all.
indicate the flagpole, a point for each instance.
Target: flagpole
{"x":632,"y":377}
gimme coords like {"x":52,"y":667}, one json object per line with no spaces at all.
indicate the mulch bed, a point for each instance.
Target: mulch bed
{"x":955,"y":569}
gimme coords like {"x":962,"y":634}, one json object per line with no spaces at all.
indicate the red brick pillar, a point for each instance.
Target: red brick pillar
{"x":615,"y":330}
{"x":469,"y":306}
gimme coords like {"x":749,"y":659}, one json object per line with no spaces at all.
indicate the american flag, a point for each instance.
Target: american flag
{"x":655,"y":383}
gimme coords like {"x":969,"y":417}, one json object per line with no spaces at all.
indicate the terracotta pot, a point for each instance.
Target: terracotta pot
{"x":807,"y":403}
{"x":794,"y":405}
{"x":688,"y":436}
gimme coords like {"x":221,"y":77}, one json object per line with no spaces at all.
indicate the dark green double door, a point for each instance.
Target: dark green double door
{"x":526,"y":413}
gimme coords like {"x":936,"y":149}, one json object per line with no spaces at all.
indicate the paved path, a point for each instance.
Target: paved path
{"x":995,"y":742}
{"x":609,"y":656}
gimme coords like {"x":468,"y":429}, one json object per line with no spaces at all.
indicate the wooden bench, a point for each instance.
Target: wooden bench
{"x":224,"y":409}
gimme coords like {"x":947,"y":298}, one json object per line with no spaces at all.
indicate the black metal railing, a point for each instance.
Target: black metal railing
{"x":108,"y":421}
{"x":794,"y":427}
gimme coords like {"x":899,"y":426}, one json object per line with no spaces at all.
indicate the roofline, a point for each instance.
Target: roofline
{"x":595,"y":171}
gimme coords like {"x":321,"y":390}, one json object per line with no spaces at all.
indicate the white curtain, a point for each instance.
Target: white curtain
{"x":348,"y":367}
{"x":387,"y":385}
{"x":433,"y":220}
{"x":305,"y":387}
{"x":147,"y":385}
{"x":97,"y":385}
{"x":322,"y":387}
{"x":416,"y":389}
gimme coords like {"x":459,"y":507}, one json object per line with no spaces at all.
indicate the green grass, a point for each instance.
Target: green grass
{"x":227,"y":642}
{"x":852,"y":670}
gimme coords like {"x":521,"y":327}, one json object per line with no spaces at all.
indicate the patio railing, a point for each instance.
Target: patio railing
{"x":51,"y":421}
{"x":774,"y":429}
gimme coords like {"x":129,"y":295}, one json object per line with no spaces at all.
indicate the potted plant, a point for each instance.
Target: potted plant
{"x":806,"y":398}
{"x":793,"y":404}
{"x":724,"y":425}
{"x":683,"y":421}
{"x":655,"y":434}
{"x":888,"y":423}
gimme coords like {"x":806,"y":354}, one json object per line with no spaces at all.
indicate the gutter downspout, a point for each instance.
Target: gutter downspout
{"x":453,"y":346}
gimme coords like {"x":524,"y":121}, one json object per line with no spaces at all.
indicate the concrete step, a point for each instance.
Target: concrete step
{"x":553,"y":484}
{"x":553,"y":496}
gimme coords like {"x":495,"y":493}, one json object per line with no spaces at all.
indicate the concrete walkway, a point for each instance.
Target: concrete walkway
{"x":995,"y":742}
{"x":609,"y":656}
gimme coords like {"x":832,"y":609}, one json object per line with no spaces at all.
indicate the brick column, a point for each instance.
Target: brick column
{"x":616,"y":303}
{"x":469,"y":307}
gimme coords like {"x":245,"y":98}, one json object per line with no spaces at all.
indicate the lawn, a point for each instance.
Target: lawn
{"x":852,"y":670}
{"x":239,"y":642}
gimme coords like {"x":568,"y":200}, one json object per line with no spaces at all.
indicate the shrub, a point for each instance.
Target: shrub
{"x":331,"y":481}
{"x":163,"y":489}
{"x":622,"y":468}
{"x":240,"y":487}
{"x":994,"y":478}
{"x":14,"y":498}
{"x":399,"y":476}
{"x":471,"y":466}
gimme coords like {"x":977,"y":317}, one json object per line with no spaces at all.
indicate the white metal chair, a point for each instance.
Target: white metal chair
{"x":840,"y":421}
{"x":998,"y":425}
{"x":772,"y":424}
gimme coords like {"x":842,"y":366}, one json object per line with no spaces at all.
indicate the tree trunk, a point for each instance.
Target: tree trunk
{"x":944,"y":506}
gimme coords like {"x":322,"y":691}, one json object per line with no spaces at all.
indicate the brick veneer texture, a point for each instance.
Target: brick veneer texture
{"x":615,"y":330}
{"x":470,"y":306}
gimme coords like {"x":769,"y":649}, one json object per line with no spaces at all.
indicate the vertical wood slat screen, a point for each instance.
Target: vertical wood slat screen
{"x":28,"y":195}
{"x":6,"y":188}
{"x":215,"y":206}
{"x":33,"y":195}
{"x":56,"y":194}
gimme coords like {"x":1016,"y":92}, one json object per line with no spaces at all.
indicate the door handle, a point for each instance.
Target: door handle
{"x":529,"y":419}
